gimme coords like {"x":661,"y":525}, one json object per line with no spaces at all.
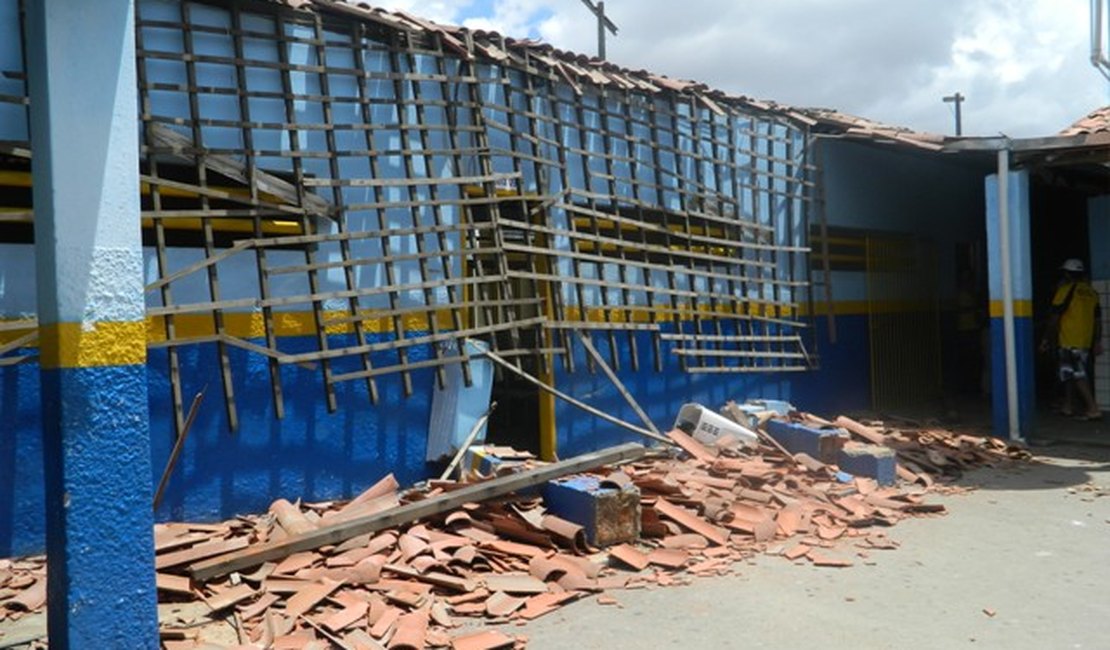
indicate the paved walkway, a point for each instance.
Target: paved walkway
{"x":1031,"y":546}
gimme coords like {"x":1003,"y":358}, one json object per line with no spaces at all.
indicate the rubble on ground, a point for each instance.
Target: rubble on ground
{"x":441,"y":581}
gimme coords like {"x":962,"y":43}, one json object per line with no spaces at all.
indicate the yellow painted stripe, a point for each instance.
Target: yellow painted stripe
{"x":250,"y":325}
{"x":237,"y":225}
{"x":863,"y":307}
{"x":297,"y":323}
{"x":13,"y":178}
{"x":1022,"y":309}
{"x":87,"y":345}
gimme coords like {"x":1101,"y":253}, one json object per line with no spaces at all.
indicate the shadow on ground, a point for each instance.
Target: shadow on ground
{"x":1054,"y":466}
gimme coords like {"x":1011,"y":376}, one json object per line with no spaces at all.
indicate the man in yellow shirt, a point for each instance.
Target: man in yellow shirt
{"x":1075,"y":324}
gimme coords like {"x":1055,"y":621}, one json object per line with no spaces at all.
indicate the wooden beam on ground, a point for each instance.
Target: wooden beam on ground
{"x":410,"y":512}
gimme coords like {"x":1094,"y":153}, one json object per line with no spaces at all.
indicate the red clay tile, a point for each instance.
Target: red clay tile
{"x":348,"y":615}
{"x":630,"y":556}
{"x":308,"y":597}
{"x":258,"y":607}
{"x":295,"y":641}
{"x":545,"y":569}
{"x":410,"y":631}
{"x":199,"y":552}
{"x":789,"y":520}
{"x":544,"y":603}
{"x":169,"y":583}
{"x":691,"y":522}
{"x":515,"y":583}
{"x":699,"y":451}
{"x":823,"y":559}
{"x":796,"y":551}
{"x":685,"y":541}
{"x":501,"y":604}
{"x":513,"y":548}
{"x":485,"y":640}
{"x":385,"y":622}
{"x":229,"y":597}
{"x":296,"y":562}
{"x":670,"y":558}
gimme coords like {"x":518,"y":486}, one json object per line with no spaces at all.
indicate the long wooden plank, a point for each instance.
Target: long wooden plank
{"x":586,"y":343}
{"x":335,"y":534}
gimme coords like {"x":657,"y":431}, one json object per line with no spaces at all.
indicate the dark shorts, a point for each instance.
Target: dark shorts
{"x":1073,"y":363}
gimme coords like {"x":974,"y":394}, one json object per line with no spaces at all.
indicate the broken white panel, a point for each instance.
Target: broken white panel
{"x":456,"y":407}
{"x":707,"y":427}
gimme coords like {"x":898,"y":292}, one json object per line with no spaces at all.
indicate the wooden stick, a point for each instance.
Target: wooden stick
{"x":492,"y":356}
{"x":481,"y":422}
{"x":586,"y":343}
{"x":178,"y":445}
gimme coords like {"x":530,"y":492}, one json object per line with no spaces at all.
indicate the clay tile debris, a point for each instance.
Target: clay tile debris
{"x":487,"y":640}
{"x":669,"y":558}
{"x":628,"y":555}
{"x":308,"y":597}
{"x":410,"y":631}
{"x":502,"y":604}
{"x":518,"y":583}
{"x":699,"y":451}
{"x":691,"y":521}
{"x":409,"y":585}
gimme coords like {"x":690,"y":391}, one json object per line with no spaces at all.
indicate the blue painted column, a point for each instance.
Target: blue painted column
{"x":88,"y":258}
{"x":1018,"y":200}
{"x":1098,"y":219}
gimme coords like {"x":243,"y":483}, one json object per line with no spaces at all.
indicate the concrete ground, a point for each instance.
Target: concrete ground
{"x":1031,"y":546}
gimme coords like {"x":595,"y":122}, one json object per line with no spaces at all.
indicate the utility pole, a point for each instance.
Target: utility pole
{"x":603,"y":23}
{"x":956,"y":99}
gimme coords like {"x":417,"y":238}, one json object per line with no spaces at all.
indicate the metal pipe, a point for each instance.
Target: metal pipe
{"x":1007,"y":292}
{"x":1099,"y":57}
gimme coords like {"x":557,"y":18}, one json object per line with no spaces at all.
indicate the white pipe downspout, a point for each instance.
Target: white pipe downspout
{"x":1007,"y":291}
{"x":1099,"y":57}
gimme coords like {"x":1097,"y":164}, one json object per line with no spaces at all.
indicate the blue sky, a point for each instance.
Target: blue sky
{"x":1022,"y":64}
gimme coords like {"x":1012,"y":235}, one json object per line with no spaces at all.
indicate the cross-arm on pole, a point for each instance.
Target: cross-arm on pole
{"x":603,"y":23}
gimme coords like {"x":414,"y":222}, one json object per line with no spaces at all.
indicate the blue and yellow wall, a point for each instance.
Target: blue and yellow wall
{"x":312,"y":453}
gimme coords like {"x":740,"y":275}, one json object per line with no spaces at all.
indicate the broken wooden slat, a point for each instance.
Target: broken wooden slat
{"x":199,"y":552}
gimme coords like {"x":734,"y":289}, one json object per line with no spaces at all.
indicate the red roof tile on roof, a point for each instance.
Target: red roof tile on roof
{"x":1097,"y":121}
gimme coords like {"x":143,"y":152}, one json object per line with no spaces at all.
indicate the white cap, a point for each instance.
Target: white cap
{"x":1074,"y":265}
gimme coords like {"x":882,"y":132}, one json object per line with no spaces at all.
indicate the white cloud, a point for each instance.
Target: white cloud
{"x":1023,"y":64}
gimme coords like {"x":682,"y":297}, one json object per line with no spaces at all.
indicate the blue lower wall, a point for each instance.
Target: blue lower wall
{"x":841,"y":384}
{"x":316,"y":455}
{"x":310,"y":454}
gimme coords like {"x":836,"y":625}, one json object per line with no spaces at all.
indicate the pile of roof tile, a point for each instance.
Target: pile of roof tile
{"x":22,"y":587}
{"x":436,"y":583}
{"x":926,"y":452}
